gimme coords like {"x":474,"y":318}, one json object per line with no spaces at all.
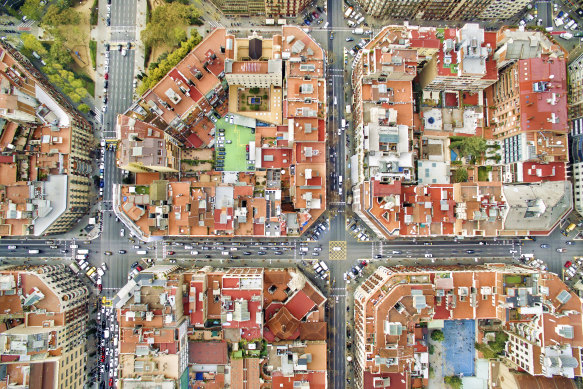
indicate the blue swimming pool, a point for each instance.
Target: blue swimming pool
{"x":460,"y":336}
{"x":256,"y":100}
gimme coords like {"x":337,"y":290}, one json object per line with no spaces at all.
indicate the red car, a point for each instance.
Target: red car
{"x":111,"y":382}
{"x":102,"y":357}
{"x":568,"y":264}
{"x":170,"y":253}
{"x":100,"y":287}
{"x":139,"y":268}
{"x":247,"y":148}
{"x":106,"y":76}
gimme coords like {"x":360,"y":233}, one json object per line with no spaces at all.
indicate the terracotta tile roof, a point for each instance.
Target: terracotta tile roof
{"x":208,"y":353}
{"x":300,"y":304}
{"x":284,"y":325}
{"x":313,"y":330}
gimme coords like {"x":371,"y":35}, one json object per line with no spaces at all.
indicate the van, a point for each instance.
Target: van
{"x":74,"y":246}
{"x":142,"y":252}
{"x":12,"y":247}
{"x":187,"y":247}
{"x":83,"y":251}
{"x":224,"y":252}
{"x":33,"y":251}
{"x":324,"y":266}
{"x":339,"y":180}
{"x":74,"y":267}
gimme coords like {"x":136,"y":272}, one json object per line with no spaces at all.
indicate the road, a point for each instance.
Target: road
{"x":404,"y":252}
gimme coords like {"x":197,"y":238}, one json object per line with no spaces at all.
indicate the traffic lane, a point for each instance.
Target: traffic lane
{"x":544,"y":12}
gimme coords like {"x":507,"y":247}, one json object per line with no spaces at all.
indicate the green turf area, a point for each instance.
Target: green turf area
{"x":235,"y":158}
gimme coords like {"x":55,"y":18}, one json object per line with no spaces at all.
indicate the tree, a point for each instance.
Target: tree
{"x":460,"y":175}
{"x":56,"y":16}
{"x":454,"y":381}
{"x":59,"y":53}
{"x":31,"y":44}
{"x":32,"y":9}
{"x":84,"y":108}
{"x":168,"y":24}
{"x":437,"y":335}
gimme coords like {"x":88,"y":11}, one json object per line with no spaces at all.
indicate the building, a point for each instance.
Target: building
{"x":47,"y":153}
{"x":444,"y":10}
{"x":575,"y":73}
{"x":269,"y":8}
{"x":43,"y":327}
{"x":153,"y":346}
{"x":464,"y":62}
{"x":396,"y":308}
{"x":204,"y":326}
{"x":403,"y":174}
{"x":238,"y":128}
{"x":145,"y":148}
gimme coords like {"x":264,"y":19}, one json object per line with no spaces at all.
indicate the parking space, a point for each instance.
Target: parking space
{"x":232,"y":147}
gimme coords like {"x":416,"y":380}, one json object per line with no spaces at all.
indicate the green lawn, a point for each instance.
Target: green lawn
{"x":235,"y":159}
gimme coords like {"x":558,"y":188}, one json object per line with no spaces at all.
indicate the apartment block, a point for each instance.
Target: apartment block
{"x":270,"y":8}
{"x":444,"y":10}
{"x":238,"y":128}
{"x":403,"y":173}
{"x":396,"y":309}
{"x":207,"y":327}
{"x":42,"y":336}
{"x":47,"y":146}
{"x":464,"y":61}
{"x":145,"y":148}
{"x":575,"y":102}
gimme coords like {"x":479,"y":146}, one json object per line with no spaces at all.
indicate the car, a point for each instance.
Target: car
{"x":170,"y":253}
{"x":194,"y":252}
{"x":108,"y":253}
{"x":54,"y":246}
{"x":427,"y":244}
{"x":234,"y":256}
{"x":397,"y":252}
{"x":378,"y":256}
{"x":111,"y":382}
{"x":349,"y":39}
{"x":134,"y":264}
{"x":122,"y":251}
{"x":332,"y":36}
{"x":307,"y":22}
{"x":139,"y":268}
{"x":106,"y":76}
{"x":561,"y":250}
{"x":278,"y":252}
{"x":261,"y":252}
{"x":247,"y":148}
{"x":246,"y":252}
{"x":570,"y":243}
{"x":568,"y":264}
{"x":364,"y":263}
{"x":544,"y":246}
{"x":122,"y":232}
{"x":428,"y":255}
{"x":124,"y":52}
{"x":104,"y":266}
{"x":319,"y":9}
{"x":315,"y":15}
{"x":108,"y":22}
{"x":470,"y":251}
{"x":129,"y":45}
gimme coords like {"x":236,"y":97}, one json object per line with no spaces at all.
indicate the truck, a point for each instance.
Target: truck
{"x":83,"y":251}
{"x":348,"y":12}
{"x":343,"y":122}
{"x":142,"y":252}
{"x":33,"y":251}
{"x":358,"y":31}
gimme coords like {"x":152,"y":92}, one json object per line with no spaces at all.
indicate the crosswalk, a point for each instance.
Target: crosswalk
{"x":25,"y":25}
{"x":215,"y":24}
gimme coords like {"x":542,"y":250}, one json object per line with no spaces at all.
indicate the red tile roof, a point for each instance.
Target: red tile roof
{"x":208,"y":353}
{"x":300,"y":305}
{"x":536,"y":172}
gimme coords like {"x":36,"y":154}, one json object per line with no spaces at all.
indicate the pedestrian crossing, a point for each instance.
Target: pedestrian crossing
{"x":25,"y":25}
{"x":215,"y":24}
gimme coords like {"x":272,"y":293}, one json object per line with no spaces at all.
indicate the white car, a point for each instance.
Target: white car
{"x":124,"y":52}
{"x":104,"y":266}
{"x":194,"y":252}
{"x":122,"y":232}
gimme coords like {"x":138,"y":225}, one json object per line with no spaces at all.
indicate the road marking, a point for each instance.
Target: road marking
{"x":337,"y":250}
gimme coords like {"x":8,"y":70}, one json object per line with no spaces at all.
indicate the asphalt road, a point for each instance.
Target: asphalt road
{"x":404,"y":252}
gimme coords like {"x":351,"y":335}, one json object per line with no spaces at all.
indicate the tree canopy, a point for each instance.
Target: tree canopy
{"x":169,"y":62}
{"x":32,"y":9}
{"x":30,"y":44}
{"x":467,"y":146}
{"x":168,"y":24}
{"x":437,"y":335}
